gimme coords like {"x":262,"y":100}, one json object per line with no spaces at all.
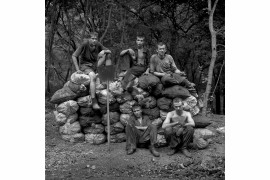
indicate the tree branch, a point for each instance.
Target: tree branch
{"x":108,"y":25}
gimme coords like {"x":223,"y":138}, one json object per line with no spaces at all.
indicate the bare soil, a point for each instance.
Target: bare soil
{"x":65,"y":160}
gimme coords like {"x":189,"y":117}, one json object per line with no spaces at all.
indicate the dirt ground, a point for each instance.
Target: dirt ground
{"x":65,"y":160}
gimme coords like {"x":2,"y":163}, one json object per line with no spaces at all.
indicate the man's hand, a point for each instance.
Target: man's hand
{"x":79,"y":72}
{"x":131,"y":52}
{"x":107,"y":51}
{"x":182,"y":73}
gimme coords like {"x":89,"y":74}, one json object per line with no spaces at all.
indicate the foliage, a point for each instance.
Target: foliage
{"x":181,"y":24}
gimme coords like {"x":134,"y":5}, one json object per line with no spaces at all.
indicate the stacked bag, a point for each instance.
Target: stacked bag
{"x":79,"y":122}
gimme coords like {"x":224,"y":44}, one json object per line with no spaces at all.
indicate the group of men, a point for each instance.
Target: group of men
{"x":178,"y":125}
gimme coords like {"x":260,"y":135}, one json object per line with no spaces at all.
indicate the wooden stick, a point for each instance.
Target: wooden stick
{"x":108,"y":116}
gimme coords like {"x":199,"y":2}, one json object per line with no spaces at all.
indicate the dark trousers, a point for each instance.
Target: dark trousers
{"x":135,"y":136}
{"x":180,"y":141}
{"x":134,"y":71}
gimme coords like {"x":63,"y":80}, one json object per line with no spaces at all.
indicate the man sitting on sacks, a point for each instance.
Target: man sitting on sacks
{"x":89,"y":52}
{"x":163,"y":66}
{"x":140,"y":130}
{"x":178,"y":128}
{"x":140,"y":60}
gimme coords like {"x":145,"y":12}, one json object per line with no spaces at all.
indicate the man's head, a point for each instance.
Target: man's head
{"x":178,"y":105}
{"x":137,"y":110}
{"x":140,"y":40}
{"x":161,"y":49}
{"x":93,"y":37}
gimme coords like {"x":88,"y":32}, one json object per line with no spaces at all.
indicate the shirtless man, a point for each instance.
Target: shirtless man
{"x":88,"y":53}
{"x":163,"y":66}
{"x":178,"y":127}
{"x":140,"y":60}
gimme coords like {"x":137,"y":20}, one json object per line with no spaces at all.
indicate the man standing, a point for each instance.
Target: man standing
{"x":178,"y":127}
{"x":140,"y":130}
{"x":140,"y":60}
{"x":163,"y":66}
{"x":89,"y":52}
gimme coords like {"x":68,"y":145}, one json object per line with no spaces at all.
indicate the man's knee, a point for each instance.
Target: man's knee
{"x":92,"y":75}
{"x":168,"y":130}
{"x":189,"y":129}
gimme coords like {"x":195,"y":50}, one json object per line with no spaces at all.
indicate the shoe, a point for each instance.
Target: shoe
{"x":171,"y":152}
{"x":130,"y":151}
{"x":186,"y":153}
{"x":154,"y":152}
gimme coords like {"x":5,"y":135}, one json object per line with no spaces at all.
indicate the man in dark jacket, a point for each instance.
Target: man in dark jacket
{"x":140,"y":130}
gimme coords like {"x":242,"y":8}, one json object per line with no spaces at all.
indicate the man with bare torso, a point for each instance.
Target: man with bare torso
{"x":140,"y":60}
{"x":178,"y":127}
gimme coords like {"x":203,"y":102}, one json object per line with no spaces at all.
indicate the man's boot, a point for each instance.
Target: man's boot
{"x":186,"y":153}
{"x":95,"y":104}
{"x":154,"y":151}
{"x":130,"y":151}
{"x":172,"y":152}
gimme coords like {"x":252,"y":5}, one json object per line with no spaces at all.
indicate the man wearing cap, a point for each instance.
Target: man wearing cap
{"x":178,"y":127}
{"x":140,"y":130}
{"x":88,"y":53}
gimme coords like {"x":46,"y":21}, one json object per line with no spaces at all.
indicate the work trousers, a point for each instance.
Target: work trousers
{"x":135,"y":136}
{"x":179,"y":141}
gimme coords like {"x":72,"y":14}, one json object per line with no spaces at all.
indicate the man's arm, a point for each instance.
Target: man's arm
{"x":190,"y":121}
{"x":176,"y":70}
{"x":167,"y":123}
{"x":75,"y":56}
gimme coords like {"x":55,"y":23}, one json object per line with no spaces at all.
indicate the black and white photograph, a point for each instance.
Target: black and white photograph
{"x":135,"y":89}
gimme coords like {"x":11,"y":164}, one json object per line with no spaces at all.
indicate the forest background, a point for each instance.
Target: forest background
{"x":193,"y":30}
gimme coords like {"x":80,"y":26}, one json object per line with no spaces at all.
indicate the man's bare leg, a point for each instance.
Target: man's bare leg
{"x":92,"y":92}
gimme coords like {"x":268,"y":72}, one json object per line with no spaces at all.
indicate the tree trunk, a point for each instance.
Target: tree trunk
{"x":51,"y":33}
{"x":85,"y":20}
{"x":108,"y":25}
{"x":214,"y":55}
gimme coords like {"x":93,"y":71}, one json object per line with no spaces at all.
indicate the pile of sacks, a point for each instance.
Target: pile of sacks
{"x":79,"y":122}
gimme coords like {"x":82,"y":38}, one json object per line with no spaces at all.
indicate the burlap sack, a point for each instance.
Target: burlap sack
{"x":72,"y":118}
{"x":118,"y":138}
{"x":171,"y":80}
{"x":151,"y":113}
{"x":201,"y":121}
{"x":124,"y":119}
{"x":161,"y":141}
{"x":164,"y":104}
{"x":78,"y":137}
{"x":114,"y":107}
{"x":115,"y":128}
{"x":62,"y":95}
{"x":157,"y":90}
{"x":148,"y":102}
{"x":203,"y":133}
{"x":60,"y":118}
{"x":200,"y":143}
{"x":87,"y":121}
{"x":68,"y":107}
{"x":176,"y":91}
{"x":80,"y":78}
{"x":126,"y":108}
{"x":114,"y":117}
{"x":94,"y":129}
{"x":85,"y":101}
{"x":70,"y":129}
{"x":124,"y":97}
{"x":102,"y":97}
{"x":77,"y":88}
{"x":95,"y":138}
{"x":148,"y":81}
{"x":116,"y":88}
{"x":87,"y":111}
{"x":139,"y":94}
